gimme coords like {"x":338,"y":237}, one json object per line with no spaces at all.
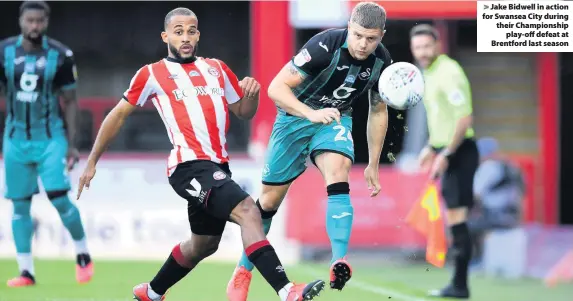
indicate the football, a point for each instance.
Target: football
{"x":401,"y":85}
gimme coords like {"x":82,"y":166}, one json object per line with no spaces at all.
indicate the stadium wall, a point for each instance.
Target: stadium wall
{"x":131,"y":212}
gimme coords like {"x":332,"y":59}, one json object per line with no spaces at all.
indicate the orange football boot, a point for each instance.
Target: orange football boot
{"x":238,"y":287}
{"x":340,"y":273}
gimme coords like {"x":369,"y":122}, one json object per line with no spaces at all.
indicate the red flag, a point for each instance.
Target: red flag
{"x":426,"y":217}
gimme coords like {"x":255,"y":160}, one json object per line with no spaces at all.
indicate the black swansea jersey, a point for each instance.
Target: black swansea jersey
{"x":334,"y":79}
{"x":32,"y":82}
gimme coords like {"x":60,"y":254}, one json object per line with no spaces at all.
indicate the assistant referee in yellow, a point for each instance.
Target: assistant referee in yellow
{"x":451,"y":152}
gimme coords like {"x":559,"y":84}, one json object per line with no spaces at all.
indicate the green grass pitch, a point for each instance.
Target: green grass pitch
{"x":114,"y":280}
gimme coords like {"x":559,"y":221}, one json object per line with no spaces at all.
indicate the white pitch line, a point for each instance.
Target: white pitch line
{"x":386,"y":292}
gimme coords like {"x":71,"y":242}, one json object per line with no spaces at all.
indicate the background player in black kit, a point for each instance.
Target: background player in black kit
{"x":314,"y":93}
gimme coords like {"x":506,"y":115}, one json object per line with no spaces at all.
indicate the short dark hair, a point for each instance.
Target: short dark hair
{"x":424,"y":29}
{"x":369,"y":15}
{"x":180,"y":11}
{"x":41,"y":5}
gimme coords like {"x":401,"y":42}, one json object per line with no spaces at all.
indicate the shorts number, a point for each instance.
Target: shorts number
{"x":197,"y":186}
{"x":340,"y":135}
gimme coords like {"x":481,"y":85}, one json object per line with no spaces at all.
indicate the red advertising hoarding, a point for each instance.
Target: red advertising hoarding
{"x":378,"y":221}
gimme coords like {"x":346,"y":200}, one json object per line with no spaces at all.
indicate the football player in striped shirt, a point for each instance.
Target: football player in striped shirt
{"x":193,"y":96}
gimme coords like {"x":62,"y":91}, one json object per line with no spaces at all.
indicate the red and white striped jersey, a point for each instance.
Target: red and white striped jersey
{"x":192,"y":99}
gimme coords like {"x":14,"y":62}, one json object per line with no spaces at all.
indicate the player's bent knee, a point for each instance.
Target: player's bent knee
{"x":246,"y":213}
{"x":53,"y":195}
{"x":272,"y":197}
{"x":209,"y":249}
{"x":195,"y":251}
{"x":334,"y":167}
{"x":60,"y":201}
{"x":266,"y":212}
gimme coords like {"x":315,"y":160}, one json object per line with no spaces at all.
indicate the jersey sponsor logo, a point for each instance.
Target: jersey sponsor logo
{"x":365,"y":75}
{"x":19,"y":60}
{"x":302,"y":58}
{"x":194,"y":73}
{"x":181,"y":94}
{"x":28,"y":84}
{"x":213,"y":71}
{"x":350,"y":79}
{"x":338,"y":96}
{"x":219,"y":175}
{"x":343,"y":67}
{"x":323,"y":46}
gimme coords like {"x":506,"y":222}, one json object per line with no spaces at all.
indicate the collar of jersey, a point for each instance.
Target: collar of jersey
{"x":436,"y":62}
{"x":44,"y":41}
{"x":186,"y":61}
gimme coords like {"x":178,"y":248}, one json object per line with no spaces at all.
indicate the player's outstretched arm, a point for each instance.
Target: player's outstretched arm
{"x":109,"y":129}
{"x":376,"y":128}
{"x":280,"y":91}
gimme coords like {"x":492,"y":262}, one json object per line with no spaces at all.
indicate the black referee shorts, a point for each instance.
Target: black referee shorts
{"x":458,"y":180}
{"x":210,"y":192}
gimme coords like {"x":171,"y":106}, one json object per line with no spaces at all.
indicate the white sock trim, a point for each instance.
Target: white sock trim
{"x":81,"y":246}
{"x":25,"y":262}
{"x":283,"y":293}
{"x":152,"y":294}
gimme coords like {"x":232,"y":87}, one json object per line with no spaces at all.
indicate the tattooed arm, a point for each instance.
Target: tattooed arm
{"x":280,"y":91}
{"x":376,"y":128}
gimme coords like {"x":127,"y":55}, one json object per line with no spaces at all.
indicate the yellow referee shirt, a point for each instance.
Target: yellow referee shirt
{"x":447,"y":98}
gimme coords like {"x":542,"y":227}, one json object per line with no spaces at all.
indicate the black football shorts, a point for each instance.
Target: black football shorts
{"x":458,"y":180}
{"x":210,"y":192}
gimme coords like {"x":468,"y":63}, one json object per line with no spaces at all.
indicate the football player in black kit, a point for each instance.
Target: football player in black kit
{"x":314,"y":93}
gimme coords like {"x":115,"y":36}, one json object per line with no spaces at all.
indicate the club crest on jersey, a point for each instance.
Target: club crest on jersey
{"x":41,"y":63}
{"x":181,"y":94}
{"x":193,"y":73}
{"x":219,"y":175}
{"x":213,"y":71}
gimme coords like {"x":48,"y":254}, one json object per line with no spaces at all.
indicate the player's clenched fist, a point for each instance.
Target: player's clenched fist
{"x":250,"y":86}
{"x":325,"y":116}
{"x":86,"y":178}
